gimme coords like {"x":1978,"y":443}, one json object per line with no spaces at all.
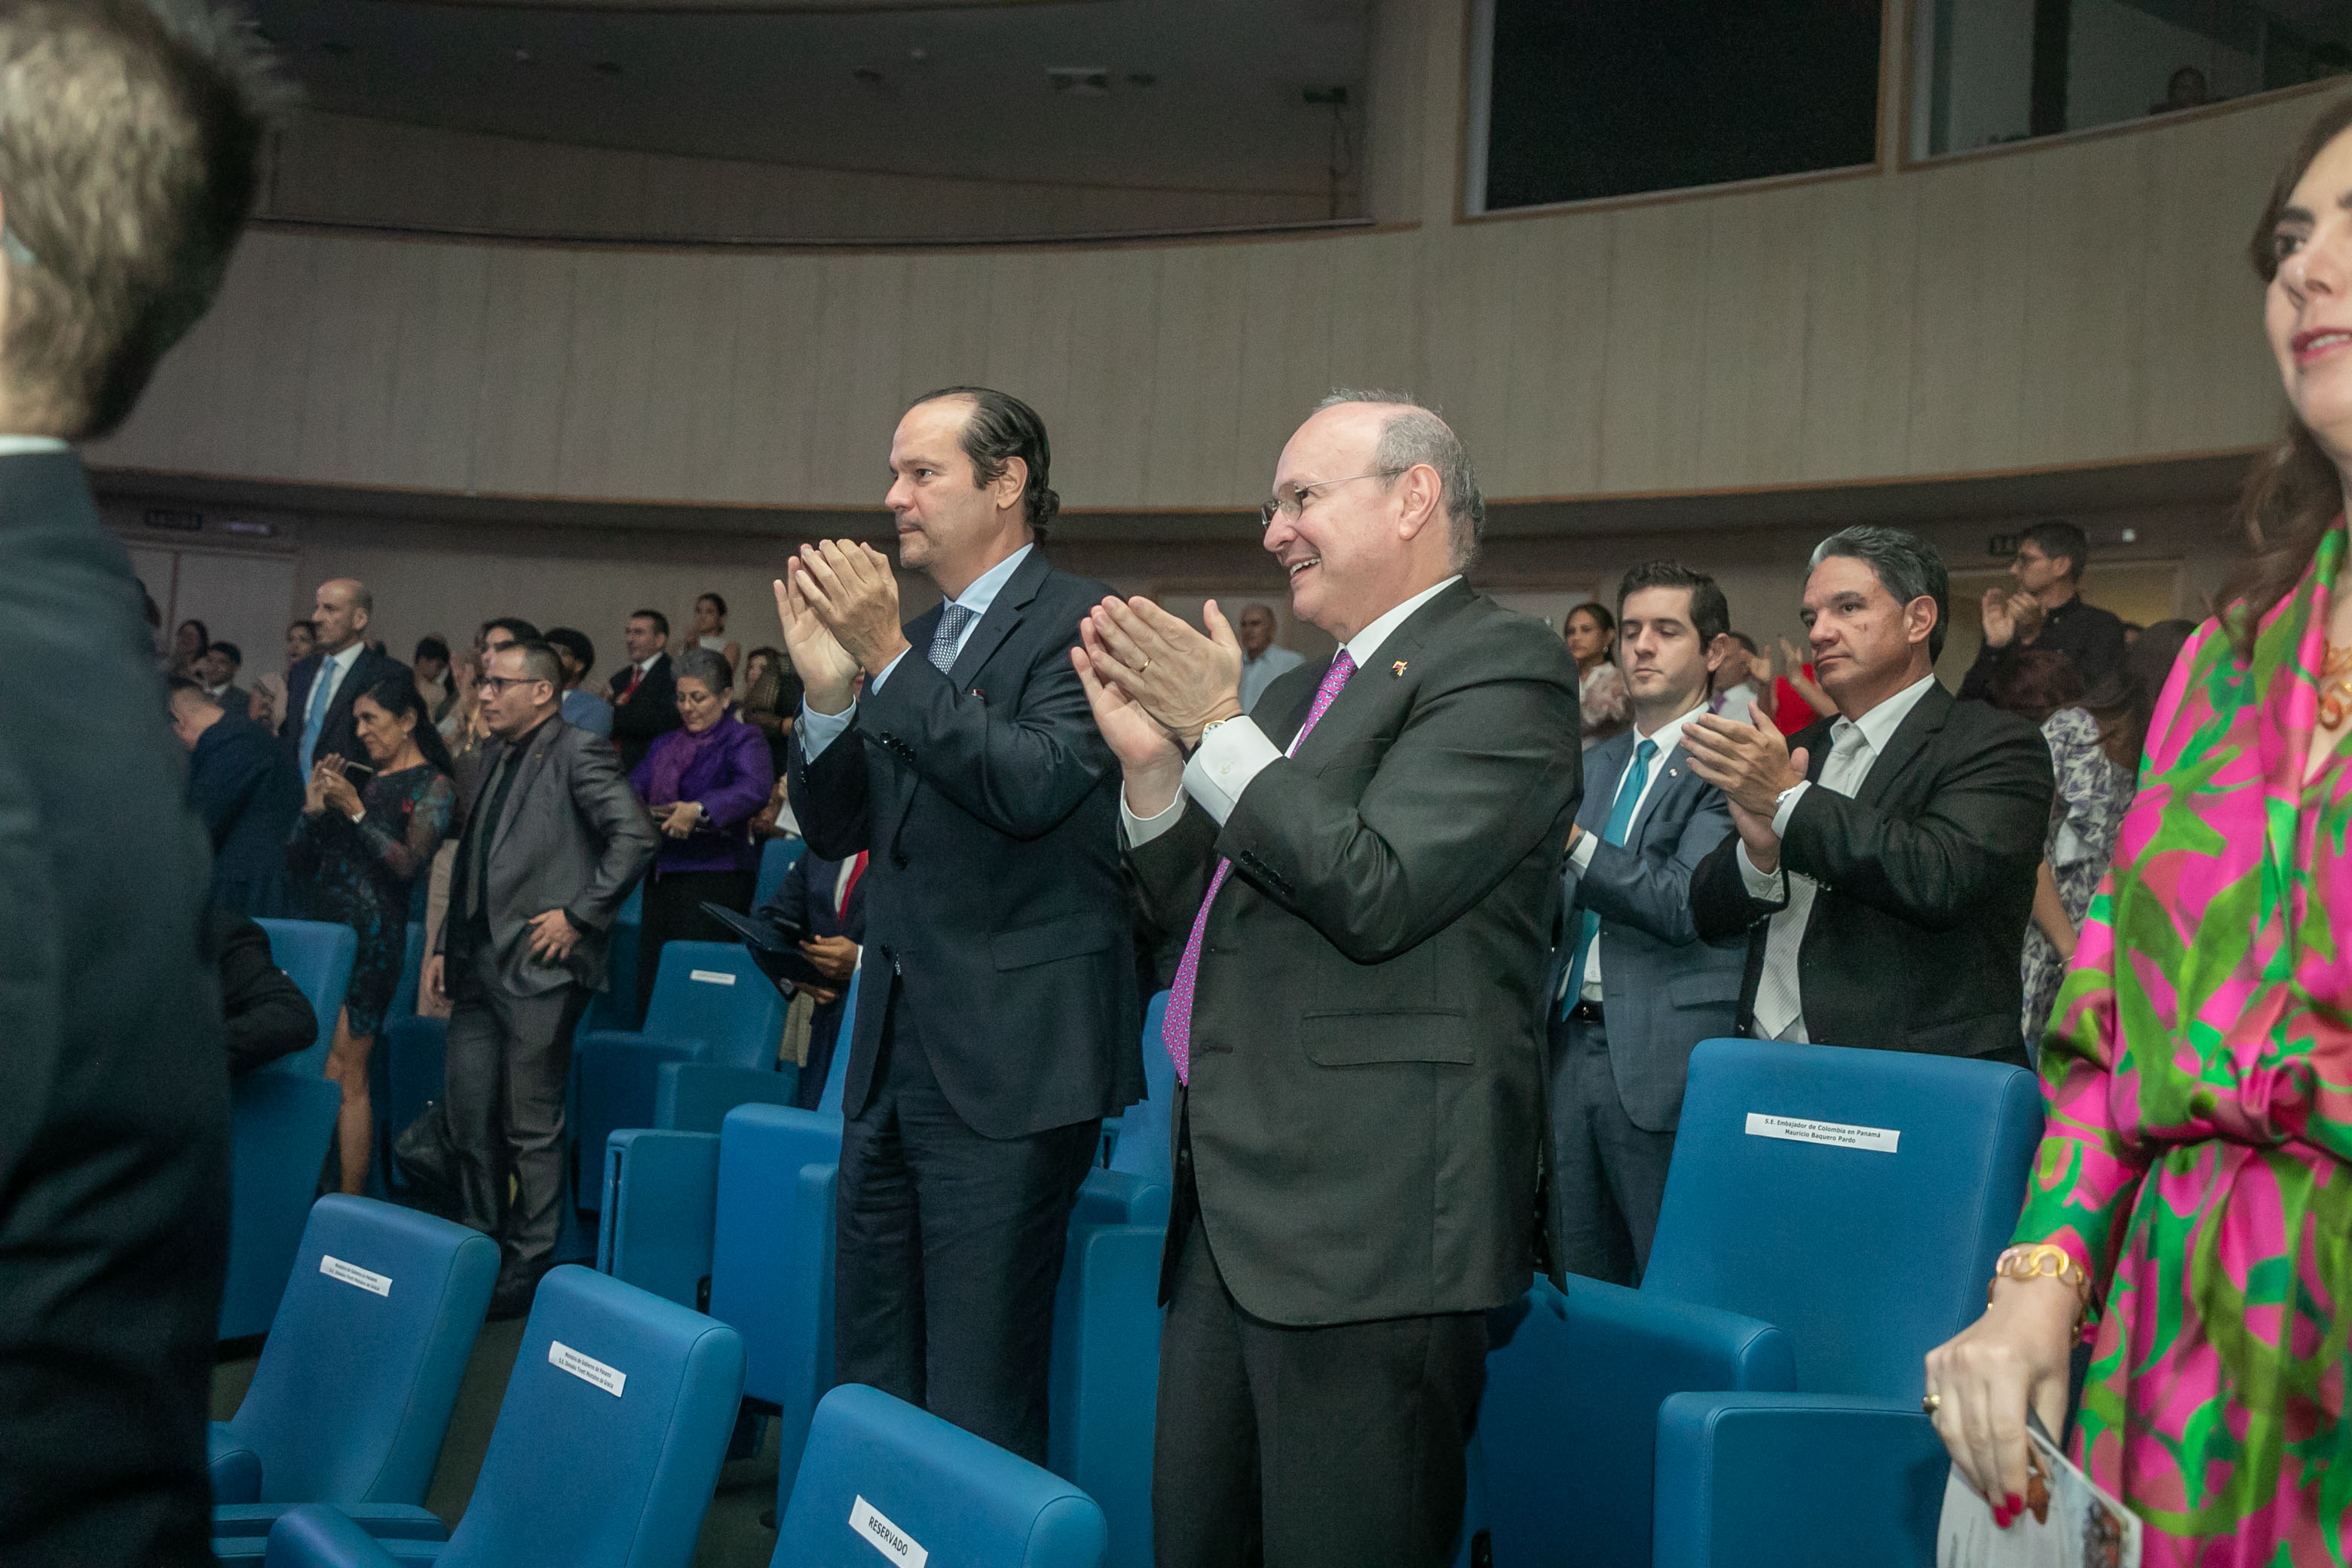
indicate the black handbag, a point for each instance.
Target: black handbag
{"x":428,"y":1160}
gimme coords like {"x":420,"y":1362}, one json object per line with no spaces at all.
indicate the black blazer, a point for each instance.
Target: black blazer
{"x":805,"y":899}
{"x":1366,"y":1109}
{"x":113,"y":1078}
{"x":246,"y":788}
{"x":267,"y":1014}
{"x":649,"y":714}
{"x":994,"y":894}
{"x":1927,"y":884}
{"x":339,"y":736}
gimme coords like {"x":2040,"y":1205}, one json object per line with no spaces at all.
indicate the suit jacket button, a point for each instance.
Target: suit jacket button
{"x":898,"y":860}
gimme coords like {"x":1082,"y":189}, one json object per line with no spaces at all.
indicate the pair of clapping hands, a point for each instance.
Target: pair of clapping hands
{"x":1154,"y":684}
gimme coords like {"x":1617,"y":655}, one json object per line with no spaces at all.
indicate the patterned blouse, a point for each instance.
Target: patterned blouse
{"x":2083,"y":819}
{"x":2198,"y":1158}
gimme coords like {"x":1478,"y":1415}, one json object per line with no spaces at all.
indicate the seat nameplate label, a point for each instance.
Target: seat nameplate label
{"x":711,"y":976}
{"x":587,"y":1368}
{"x":334,"y":1267}
{"x":886,"y":1537}
{"x":1836,"y":1134}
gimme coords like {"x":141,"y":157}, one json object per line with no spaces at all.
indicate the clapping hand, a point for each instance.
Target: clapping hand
{"x":1182,"y":679}
{"x":2010,"y":617}
{"x":330,"y":790}
{"x":1750,"y":763}
{"x":828,"y":674}
{"x":855,"y":592}
{"x":1149,"y":759}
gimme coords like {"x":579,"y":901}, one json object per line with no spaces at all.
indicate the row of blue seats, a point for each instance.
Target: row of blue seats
{"x":608,"y":1439}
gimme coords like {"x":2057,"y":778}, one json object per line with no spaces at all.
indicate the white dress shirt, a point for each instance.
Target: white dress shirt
{"x":1234,"y":753}
{"x":1668,"y":735}
{"x":19,"y":446}
{"x":1855,"y":746}
{"x":818,"y":731}
{"x":1261,"y":672}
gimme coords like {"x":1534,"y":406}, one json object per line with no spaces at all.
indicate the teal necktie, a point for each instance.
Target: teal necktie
{"x":316,"y":720}
{"x":1620,"y":820}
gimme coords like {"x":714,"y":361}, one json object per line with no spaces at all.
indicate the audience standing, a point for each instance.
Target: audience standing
{"x":553,"y":843}
{"x":321,"y":689}
{"x":997,"y":1023}
{"x":1634,"y":989}
{"x":711,"y":630}
{"x":1591,"y":633}
{"x":130,"y":135}
{"x":1883,"y":870}
{"x":582,"y":709}
{"x":2190,"y":1191}
{"x":359,"y":850}
{"x":1356,"y":1183}
{"x":2093,"y":755}
{"x":703,"y":783}
{"x":1733,"y":690}
{"x":243,"y":786}
{"x":217,"y":672}
{"x":2047,"y":612}
{"x":269,"y":690}
{"x":190,"y":643}
{"x":1262,"y":657}
{"x":644,"y":694}
{"x":827,"y":899}
{"x":433,"y":687}
{"x":771,"y":700}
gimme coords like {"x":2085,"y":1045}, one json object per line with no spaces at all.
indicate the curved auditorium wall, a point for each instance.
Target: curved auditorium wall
{"x":2083,"y":301}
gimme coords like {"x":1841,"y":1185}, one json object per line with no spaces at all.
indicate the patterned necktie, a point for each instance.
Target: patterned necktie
{"x":1176,"y":1028}
{"x":1779,"y":996}
{"x":952,"y":621}
{"x":1620,"y":821}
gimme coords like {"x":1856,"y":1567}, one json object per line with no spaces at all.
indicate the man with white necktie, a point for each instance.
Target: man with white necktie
{"x":1883,"y":862}
{"x":997,"y":1009}
{"x":1367,"y":867}
{"x":1634,"y":987}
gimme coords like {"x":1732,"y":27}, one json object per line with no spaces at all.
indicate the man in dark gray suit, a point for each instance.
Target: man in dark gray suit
{"x":1368,"y":868}
{"x":1634,"y":988}
{"x":554,"y":839}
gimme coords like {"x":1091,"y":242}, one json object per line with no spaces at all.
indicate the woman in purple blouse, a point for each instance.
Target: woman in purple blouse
{"x":703,"y":785}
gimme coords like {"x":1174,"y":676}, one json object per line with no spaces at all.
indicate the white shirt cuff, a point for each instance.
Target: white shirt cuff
{"x":1581,"y":856}
{"x":1786,"y":806}
{"x":1764,"y":887}
{"x":875,"y":683}
{"x":1229,"y":756}
{"x":1142,"y":830}
{"x":818,"y":731}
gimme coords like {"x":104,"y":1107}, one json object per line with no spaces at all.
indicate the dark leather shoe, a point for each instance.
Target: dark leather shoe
{"x":511,"y":1300}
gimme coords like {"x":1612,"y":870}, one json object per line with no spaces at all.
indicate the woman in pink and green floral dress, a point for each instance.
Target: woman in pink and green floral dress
{"x":2194,"y":1193}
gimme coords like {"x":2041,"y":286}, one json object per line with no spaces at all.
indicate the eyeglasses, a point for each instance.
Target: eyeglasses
{"x":1288,"y":506}
{"x":494,"y":684}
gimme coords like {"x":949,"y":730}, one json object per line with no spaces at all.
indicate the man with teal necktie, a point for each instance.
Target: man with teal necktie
{"x":1634,"y":988}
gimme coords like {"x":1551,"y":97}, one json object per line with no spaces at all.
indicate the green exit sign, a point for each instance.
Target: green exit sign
{"x":2002,"y":544}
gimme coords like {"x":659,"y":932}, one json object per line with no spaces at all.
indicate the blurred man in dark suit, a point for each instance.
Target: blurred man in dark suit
{"x":1882,"y":863}
{"x":645,"y":691}
{"x":825,"y":898}
{"x":243,"y":786}
{"x":554,"y":839}
{"x":321,"y":689}
{"x":1369,"y":874}
{"x":997,"y":1012}
{"x":130,"y":139}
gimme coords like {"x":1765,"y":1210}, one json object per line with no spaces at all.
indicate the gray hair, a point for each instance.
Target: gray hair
{"x":1906,"y":565}
{"x":709,"y":668}
{"x":1415,"y":434}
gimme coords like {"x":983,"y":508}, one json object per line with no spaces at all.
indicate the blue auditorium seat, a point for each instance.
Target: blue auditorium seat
{"x":1147,"y":1132}
{"x":361,"y":1370}
{"x":605,"y":1453}
{"x":318,"y":958}
{"x":1830,"y":1215}
{"x":777,"y":858}
{"x":711,"y":1005}
{"x":381,"y":1097}
{"x":695,"y":1097}
{"x":618,"y":1005}
{"x":880,"y":1474}
{"x":279,"y":1125}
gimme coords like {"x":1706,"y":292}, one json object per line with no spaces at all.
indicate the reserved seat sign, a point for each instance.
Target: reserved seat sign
{"x":886,"y":1537}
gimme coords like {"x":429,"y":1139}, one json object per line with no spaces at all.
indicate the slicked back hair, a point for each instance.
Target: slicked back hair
{"x":1415,"y":434}
{"x":130,"y":133}
{"x":1906,"y":565}
{"x":1000,"y":429}
{"x":1710,"y":615}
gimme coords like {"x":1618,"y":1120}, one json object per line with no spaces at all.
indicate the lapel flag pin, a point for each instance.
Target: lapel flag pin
{"x":1397,"y":668}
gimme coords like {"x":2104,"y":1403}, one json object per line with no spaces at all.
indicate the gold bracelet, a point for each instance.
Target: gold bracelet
{"x":2039,"y":1261}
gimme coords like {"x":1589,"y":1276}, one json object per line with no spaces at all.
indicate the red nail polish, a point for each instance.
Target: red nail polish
{"x":2016,"y":1504}
{"x":2000,"y":1517}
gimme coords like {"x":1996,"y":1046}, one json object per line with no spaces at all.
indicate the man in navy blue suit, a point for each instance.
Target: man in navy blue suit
{"x":997,"y":1009}
{"x":1632,"y":987}
{"x":825,"y":898}
{"x":321,"y":689}
{"x":243,"y":786}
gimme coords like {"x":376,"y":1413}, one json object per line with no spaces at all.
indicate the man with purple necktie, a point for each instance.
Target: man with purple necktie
{"x":1367,"y":872}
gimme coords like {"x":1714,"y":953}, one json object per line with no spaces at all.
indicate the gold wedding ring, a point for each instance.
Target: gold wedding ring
{"x":1144,"y":666}
{"x":1931,"y":1402}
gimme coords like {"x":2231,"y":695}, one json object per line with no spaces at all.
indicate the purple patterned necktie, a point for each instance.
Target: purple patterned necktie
{"x":1176,"y":1029}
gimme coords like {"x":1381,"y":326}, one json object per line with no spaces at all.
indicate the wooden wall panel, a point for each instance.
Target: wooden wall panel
{"x":2081,"y":302}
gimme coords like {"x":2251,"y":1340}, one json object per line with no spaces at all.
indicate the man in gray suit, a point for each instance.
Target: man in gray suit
{"x":554,"y":839}
{"x":1632,"y":987}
